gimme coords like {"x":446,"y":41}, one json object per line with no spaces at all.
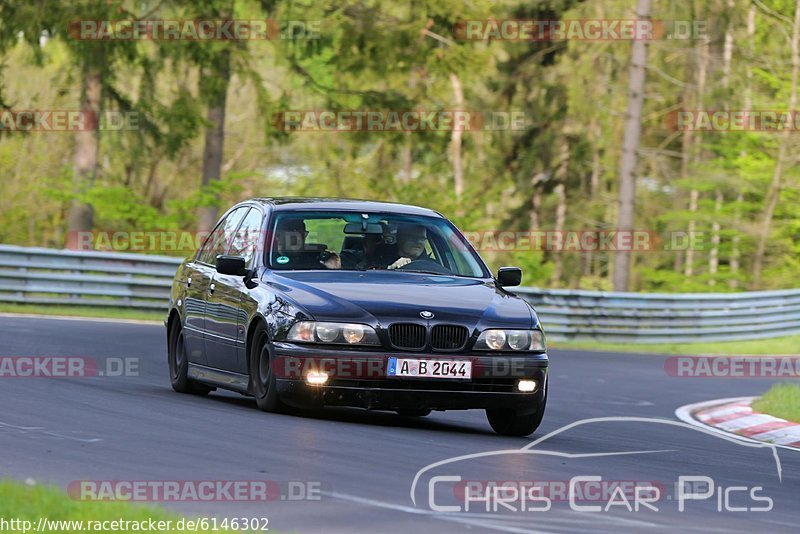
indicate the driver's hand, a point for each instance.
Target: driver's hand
{"x":399,"y":263}
{"x":334,"y":261}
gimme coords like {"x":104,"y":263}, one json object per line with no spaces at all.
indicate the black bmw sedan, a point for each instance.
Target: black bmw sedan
{"x":303,"y":302}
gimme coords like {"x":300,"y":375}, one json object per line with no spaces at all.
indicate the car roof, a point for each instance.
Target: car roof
{"x":343,"y":204}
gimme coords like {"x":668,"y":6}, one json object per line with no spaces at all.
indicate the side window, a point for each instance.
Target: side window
{"x":246,"y":238}
{"x":221,"y":237}
{"x":205,"y":250}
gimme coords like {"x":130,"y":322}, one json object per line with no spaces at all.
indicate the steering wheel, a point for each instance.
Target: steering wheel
{"x":425,"y":265}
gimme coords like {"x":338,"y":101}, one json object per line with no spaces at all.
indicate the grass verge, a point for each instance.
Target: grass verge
{"x":30,"y":503}
{"x":83,"y":311}
{"x":782,"y":400}
{"x":778,"y":345}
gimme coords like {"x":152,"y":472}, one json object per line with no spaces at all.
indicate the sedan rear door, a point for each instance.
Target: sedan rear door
{"x":225,"y":319}
{"x":198,"y":288}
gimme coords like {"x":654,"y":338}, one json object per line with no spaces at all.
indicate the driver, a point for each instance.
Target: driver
{"x":290,"y":244}
{"x":411,"y":239}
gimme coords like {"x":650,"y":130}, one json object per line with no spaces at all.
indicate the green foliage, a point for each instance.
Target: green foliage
{"x":782,"y":400}
{"x":33,"y":502}
{"x":768,"y":347}
{"x":378,"y":55}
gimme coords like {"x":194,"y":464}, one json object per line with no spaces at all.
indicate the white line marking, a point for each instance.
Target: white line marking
{"x":487,"y":520}
{"x":409,"y":510}
{"x":89,"y":319}
{"x":42,"y":430}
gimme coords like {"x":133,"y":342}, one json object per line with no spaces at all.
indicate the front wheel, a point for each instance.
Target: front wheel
{"x":512,"y":422}
{"x":262,"y":376}
{"x":521,"y":421}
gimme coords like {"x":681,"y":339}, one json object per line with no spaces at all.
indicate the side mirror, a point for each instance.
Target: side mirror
{"x":509,"y":276}
{"x":234,"y":265}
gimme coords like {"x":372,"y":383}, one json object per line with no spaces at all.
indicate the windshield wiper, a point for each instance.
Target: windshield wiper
{"x":424,"y":272}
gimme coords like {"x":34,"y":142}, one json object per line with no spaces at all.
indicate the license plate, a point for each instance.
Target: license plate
{"x":458,"y":369}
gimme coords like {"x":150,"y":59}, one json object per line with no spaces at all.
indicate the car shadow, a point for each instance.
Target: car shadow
{"x":361,"y":416}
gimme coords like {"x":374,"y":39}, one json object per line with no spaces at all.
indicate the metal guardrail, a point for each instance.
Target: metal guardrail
{"x":665,"y":317}
{"x":65,"y":277}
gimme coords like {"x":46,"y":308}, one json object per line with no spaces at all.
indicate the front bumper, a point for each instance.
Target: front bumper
{"x":358,"y":378}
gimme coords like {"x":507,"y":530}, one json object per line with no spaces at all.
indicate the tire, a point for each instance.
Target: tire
{"x":413,"y":413}
{"x":520,"y":421}
{"x":179,"y":364}
{"x":262,"y":377}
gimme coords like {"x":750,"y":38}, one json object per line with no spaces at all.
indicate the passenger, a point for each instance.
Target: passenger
{"x":375,"y":252}
{"x":380,"y":250}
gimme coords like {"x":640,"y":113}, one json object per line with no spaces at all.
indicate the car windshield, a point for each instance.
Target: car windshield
{"x":371,"y":241}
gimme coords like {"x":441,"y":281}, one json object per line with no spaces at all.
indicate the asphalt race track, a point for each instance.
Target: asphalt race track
{"x":61,"y":430}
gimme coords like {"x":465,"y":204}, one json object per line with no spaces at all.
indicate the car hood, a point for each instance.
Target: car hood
{"x":379,"y":297}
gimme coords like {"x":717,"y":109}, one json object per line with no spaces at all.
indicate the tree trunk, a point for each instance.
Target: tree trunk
{"x":775,"y":185}
{"x":561,"y":205}
{"x":748,"y":104}
{"x":536,"y":200}
{"x":713,"y":255}
{"x":688,"y":268}
{"x":87,"y":147}
{"x":220,"y":73}
{"x":695,"y":149}
{"x":630,"y":147}
{"x":727,"y":51}
{"x":560,"y":191}
{"x":687,"y":142}
{"x":727,"y":58}
{"x":407,"y":160}
{"x":455,"y":140}
{"x":734,"y":283}
{"x":594,"y":185}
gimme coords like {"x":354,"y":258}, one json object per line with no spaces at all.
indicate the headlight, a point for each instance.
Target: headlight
{"x":514,"y":340}
{"x":353,"y":333}
{"x":495,"y":339}
{"x":341,"y":333}
{"x":327,"y":333}
{"x":518,"y":339}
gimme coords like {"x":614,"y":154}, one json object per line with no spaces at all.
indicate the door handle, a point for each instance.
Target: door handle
{"x":211,"y":289}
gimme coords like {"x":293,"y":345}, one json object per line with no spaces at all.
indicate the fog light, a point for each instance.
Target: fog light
{"x":316,"y":378}
{"x":526,"y":386}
